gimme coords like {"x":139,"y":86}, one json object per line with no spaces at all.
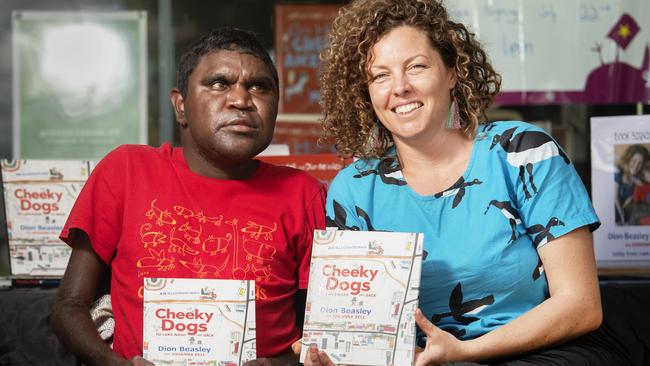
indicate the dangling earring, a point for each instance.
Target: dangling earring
{"x":453,"y":119}
{"x":374,"y":138}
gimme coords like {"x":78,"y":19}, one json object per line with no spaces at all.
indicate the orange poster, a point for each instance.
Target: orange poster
{"x":300,"y":35}
{"x":301,"y":137}
{"x":323,"y":167}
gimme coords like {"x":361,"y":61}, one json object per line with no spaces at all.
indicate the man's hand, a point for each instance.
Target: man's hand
{"x":288,"y":359}
{"x":139,"y":361}
{"x":441,"y":346}
{"x":281,"y":361}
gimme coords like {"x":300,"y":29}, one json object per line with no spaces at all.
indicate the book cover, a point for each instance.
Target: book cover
{"x":198,"y":322}
{"x":38,"y":196}
{"x":362,"y":296}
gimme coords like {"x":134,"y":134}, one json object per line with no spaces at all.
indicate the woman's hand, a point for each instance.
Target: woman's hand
{"x":138,"y":361}
{"x":314,"y":356}
{"x":441,"y":346}
{"x":317,"y":358}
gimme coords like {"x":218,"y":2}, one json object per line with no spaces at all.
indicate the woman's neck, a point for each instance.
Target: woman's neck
{"x":434,"y":165}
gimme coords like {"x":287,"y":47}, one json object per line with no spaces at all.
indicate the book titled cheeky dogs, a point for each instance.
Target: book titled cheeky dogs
{"x":362,"y":296}
{"x":199,"y":321}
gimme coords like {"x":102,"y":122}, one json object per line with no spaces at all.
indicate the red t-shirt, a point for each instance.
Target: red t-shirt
{"x":148,"y":215}
{"x":642,"y":193}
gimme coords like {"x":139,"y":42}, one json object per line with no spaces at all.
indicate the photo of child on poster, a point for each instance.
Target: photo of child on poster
{"x":632,"y":182}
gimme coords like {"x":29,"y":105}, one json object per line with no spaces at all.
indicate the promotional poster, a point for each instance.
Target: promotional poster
{"x":620,"y":158}
{"x":300,"y":35}
{"x":38,"y":196}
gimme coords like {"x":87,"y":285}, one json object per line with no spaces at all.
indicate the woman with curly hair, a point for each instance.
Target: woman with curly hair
{"x":627,"y":177}
{"x":508,"y":271}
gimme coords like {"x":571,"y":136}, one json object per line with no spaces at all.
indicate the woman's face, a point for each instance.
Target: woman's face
{"x":409,"y":85}
{"x":635,"y":164}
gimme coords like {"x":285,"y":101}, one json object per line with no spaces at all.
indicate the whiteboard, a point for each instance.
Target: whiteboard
{"x":540,"y":45}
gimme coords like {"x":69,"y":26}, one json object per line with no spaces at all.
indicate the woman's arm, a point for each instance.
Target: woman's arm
{"x":572,"y":309}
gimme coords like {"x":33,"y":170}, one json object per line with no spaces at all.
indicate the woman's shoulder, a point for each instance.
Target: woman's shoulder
{"x":359,"y":166}
{"x":361,"y":172}
{"x":498,"y":127}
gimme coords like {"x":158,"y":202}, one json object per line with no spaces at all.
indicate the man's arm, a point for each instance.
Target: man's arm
{"x":71,"y":319}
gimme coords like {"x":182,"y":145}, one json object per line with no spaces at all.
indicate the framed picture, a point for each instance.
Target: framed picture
{"x":79,"y":83}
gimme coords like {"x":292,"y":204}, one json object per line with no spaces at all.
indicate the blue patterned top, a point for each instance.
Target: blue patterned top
{"x":481,"y":268}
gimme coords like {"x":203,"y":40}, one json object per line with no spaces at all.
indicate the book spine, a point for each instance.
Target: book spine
{"x":5,"y":262}
{"x":35,"y":282}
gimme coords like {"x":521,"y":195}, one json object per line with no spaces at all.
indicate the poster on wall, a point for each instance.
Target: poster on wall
{"x":557,"y":51}
{"x":302,"y":138}
{"x":323,"y":167}
{"x":620,"y":176}
{"x":79,"y":83}
{"x":300,"y":35}
{"x":38,"y":196}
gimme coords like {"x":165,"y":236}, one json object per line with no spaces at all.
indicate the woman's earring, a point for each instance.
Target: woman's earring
{"x":453,"y":119}
{"x":374,"y":137}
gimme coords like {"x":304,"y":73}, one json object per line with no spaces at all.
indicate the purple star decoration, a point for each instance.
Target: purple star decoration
{"x":624,"y":31}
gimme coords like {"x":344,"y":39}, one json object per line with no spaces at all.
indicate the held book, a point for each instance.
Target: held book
{"x":199,"y":322}
{"x":362,"y":296}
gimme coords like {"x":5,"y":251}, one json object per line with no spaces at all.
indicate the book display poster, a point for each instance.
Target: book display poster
{"x":38,"y":196}
{"x":79,"y":83}
{"x":301,"y":137}
{"x":300,"y":35}
{"x":362,"y":296}
{"x":323,"y":167}
{"x":620,"y":176}
{"x":199,"y":322}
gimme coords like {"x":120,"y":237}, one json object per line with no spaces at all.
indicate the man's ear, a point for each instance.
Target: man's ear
{"x":179,"y":107}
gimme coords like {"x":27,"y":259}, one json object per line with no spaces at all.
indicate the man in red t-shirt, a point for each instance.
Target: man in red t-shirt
{"x":206,"y":210}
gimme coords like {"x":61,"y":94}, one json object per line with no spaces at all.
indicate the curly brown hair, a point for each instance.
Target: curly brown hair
{"x":630,"y":152}
{"x":348,"y":115}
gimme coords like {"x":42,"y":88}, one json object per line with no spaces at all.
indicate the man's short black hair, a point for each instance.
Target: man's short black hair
{"x":227,"y":38}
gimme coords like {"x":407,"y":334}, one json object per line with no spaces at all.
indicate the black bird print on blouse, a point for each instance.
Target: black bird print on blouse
{"x":457,"y":189}
{"x":525,"y":149}
{"x":543,"y":233}
{"x":510,"y":213}
{"x":488,"y":127}
{"x":364,"y":215}
{"x":388,"y":170}
{"x":542,"y":236}
{"x":340,"y":217}
{"x":539,"y":269}
{"x":458,"y":308}
{"x":454,"y":331}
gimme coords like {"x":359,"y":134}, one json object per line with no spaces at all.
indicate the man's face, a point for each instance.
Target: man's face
{"x":230,"y":107}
